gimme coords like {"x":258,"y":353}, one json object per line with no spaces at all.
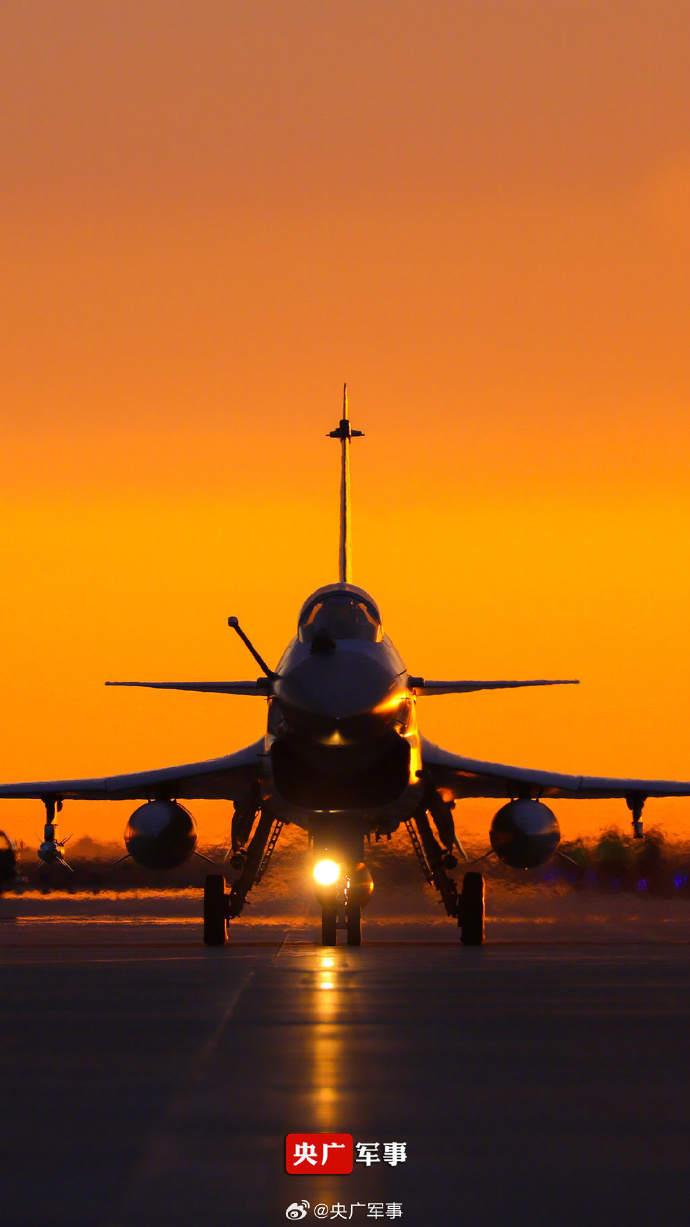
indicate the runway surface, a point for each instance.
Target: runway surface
{"x":543,"y":1079}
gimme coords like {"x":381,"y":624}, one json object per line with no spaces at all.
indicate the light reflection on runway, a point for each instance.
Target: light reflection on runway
{"x":333,"y":1095}
{"x":195,"y":1063}
{"x":327,"y":1055}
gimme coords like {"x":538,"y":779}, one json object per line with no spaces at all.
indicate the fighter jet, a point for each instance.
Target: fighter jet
{"x":343,"y":758}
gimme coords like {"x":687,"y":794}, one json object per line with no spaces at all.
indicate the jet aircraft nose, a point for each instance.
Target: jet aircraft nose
{"x":337,"y":686}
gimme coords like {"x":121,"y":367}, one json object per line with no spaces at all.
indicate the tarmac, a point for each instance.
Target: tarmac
{"x":146,"y":1080}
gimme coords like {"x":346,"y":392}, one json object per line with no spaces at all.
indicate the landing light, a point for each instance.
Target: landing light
{"x":326,"y":873}
{"x":335,"y":739}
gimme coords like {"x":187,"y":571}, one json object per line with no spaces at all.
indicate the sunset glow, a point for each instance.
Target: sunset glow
{"x":196,"y":257}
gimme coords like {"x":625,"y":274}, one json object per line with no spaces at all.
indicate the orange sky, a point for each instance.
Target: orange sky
{"x":212,"y":214}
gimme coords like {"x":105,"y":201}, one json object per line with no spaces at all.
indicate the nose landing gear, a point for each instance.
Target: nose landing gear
{"x":351,"y":922}
{"x":329,"y":922}
{"x":341,"y":905}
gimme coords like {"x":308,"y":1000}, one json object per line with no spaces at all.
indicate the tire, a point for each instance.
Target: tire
{"x":329,"y":924}
{"x":215,"y":914}
{"x":354,"y":926}
{"x":472,"y":912}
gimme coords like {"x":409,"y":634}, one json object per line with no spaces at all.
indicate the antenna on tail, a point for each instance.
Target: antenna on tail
{"x":345,"y":433}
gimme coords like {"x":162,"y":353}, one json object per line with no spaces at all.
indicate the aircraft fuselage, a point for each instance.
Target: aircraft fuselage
{"x":342,"y":743}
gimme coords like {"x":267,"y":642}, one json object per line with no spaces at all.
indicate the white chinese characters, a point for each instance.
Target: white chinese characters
{"x":306,"y":1152}
{"x":343,"y":1211}
{"x":370,"y":1152}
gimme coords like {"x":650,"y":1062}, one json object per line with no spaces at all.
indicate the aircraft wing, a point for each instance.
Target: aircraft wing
{"x":457,"y":777}
{"x":421,"y":686}
{"x":260,"y":687}
{"x":228,"y":778}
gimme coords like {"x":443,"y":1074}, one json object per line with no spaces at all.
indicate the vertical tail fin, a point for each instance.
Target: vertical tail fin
{"x":345,"y":433}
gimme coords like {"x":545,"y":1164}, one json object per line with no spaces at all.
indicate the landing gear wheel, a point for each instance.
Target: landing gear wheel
{"x":329,"y":924}
{"x":471,"y":920}
{"x":354,"y":926}
{"x":215,"y":913}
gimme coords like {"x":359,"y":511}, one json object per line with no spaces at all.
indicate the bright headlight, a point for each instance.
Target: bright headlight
{"x":326,"y":873}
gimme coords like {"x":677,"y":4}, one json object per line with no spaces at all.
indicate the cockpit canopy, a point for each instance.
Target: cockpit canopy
{"x":340,"y":611}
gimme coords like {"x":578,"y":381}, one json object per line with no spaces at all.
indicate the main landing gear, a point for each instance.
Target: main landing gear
{"x":250,"y":864}
{"x":466,"y":905}
{"x":215,"y":910}
{"x":471,"y":910}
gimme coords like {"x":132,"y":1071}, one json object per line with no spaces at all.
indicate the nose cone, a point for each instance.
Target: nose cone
{"x":337,"y":685}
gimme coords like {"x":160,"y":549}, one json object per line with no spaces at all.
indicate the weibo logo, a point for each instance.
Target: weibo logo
{"x":297,"y":1210}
